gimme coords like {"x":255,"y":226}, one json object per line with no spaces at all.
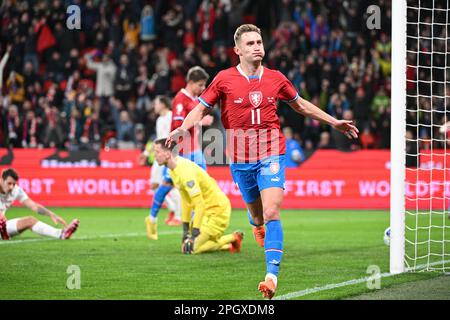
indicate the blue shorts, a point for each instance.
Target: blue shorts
{"x":196,"y":156}
{"x":251,"y":178}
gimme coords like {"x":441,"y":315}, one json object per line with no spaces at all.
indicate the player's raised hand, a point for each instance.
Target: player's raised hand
{"x":347,"y":128}
{"x":174,"y":135}
{"x":56,"y":219}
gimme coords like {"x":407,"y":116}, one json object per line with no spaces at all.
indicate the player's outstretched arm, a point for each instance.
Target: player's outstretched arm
{"x":194,"y":117}
{"x":39,"y":209}
{"x":308,"y":109}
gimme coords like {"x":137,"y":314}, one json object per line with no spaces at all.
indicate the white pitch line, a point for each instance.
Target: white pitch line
{"x":347,"y":283}
{"x":101,"y":236}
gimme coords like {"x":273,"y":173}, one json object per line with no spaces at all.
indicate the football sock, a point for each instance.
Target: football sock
{"x":158,"y":200}
{"x":250,"y":219}
{"x":273,"y":246}
{"x":44,"y":229}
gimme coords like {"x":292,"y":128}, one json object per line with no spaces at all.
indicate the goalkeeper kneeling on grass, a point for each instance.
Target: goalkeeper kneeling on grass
{"x":201,"y":194}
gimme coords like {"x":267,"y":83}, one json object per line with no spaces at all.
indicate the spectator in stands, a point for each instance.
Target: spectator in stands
{"x":105,"y":74}
{"x":91,"y":135}
{"x":14,"y":126}
{"x":325,"y":141}
{"x":347,"y":144}
{"x":319,"y":45}
{"x":380,"y":102}
{"x":124,"y":127}
{"x":15,"y":86}
{"x":123,"y":79}
{"x":54,"y":128}
{"x":367,"y":139}
{"x":31,"y":130}
{"x":131,"y":33}
{"x":147,"y":28}
{"x":361,"y":108}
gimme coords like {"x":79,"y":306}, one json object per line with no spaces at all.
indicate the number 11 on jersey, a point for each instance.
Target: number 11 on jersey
{"x":256,"y":116}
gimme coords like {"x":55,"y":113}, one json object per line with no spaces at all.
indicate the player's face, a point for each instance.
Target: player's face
{"x":162,"y":155}
{"x":8,"y":184}
{"x":198,"y":87}
{"x":250,"y":48}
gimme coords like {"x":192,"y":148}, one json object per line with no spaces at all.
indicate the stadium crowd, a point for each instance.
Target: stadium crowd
{"x":94,"y":87}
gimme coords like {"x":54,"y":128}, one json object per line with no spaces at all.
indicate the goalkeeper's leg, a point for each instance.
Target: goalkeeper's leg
{"x":224,"y":243}
{"x":211,"y":236}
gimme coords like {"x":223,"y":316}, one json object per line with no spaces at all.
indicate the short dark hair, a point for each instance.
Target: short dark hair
{"x":164,"y":100}
{"x":10,"y":173}
{"x":197,"y":74}
{"x":162,"y":143}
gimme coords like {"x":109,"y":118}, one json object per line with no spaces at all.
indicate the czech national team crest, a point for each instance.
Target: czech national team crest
{"x":255,"y":98}
{"x":274,"y":167}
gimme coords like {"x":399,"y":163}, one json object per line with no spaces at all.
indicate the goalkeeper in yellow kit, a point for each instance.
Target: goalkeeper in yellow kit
{"x":201,"y":194}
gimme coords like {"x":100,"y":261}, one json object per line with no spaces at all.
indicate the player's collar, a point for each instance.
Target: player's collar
{"x":186,"y":93}
{"x":238,"y":67}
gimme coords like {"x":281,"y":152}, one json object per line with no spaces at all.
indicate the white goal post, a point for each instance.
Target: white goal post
{"x":420,"y":136}
{"x":398,"y":142}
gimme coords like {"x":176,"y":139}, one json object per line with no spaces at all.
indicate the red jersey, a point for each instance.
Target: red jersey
{"x":182,"y":104}
{"x":249,"y":111}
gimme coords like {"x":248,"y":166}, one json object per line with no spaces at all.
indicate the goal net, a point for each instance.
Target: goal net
{"x":421,"y":228}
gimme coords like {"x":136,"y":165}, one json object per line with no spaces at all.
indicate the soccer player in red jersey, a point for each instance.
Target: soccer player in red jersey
{"x":248,"y":95}
{"x":184,"y":101}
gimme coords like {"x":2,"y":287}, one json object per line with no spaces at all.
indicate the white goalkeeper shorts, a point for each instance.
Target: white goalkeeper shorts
{"x":156,"y":174}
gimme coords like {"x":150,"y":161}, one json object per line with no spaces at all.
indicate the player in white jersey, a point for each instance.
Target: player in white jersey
{"x":10,"y":192}
{"x":173,"y":199}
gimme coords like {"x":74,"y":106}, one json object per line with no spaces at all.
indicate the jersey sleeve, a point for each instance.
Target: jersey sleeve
{"x":211,"y":95}
{"x":21,"y":195}
{"x":286,"y":90}
{"x":191,"y":187}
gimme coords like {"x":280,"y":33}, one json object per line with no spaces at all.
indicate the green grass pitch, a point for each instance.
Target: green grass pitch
{"x":117,"y":261}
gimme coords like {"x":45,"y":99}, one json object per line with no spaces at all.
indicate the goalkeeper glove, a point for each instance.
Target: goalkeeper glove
{"x":195,"y":232}
{"x":188,"y":243}
{"x":185,"y":232}
{"x":188,"y":246}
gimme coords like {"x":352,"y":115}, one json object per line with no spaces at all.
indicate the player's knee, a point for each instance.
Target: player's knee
{"x":28,"y":222}
{"x":272,"y":213}
{"x":31,"y":219}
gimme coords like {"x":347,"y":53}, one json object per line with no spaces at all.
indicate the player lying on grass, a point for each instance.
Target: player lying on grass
{"x":10,"y":192}
{"x":199,"y":192}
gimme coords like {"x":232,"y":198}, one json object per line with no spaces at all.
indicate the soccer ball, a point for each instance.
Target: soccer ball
{"x":387,"y":236}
